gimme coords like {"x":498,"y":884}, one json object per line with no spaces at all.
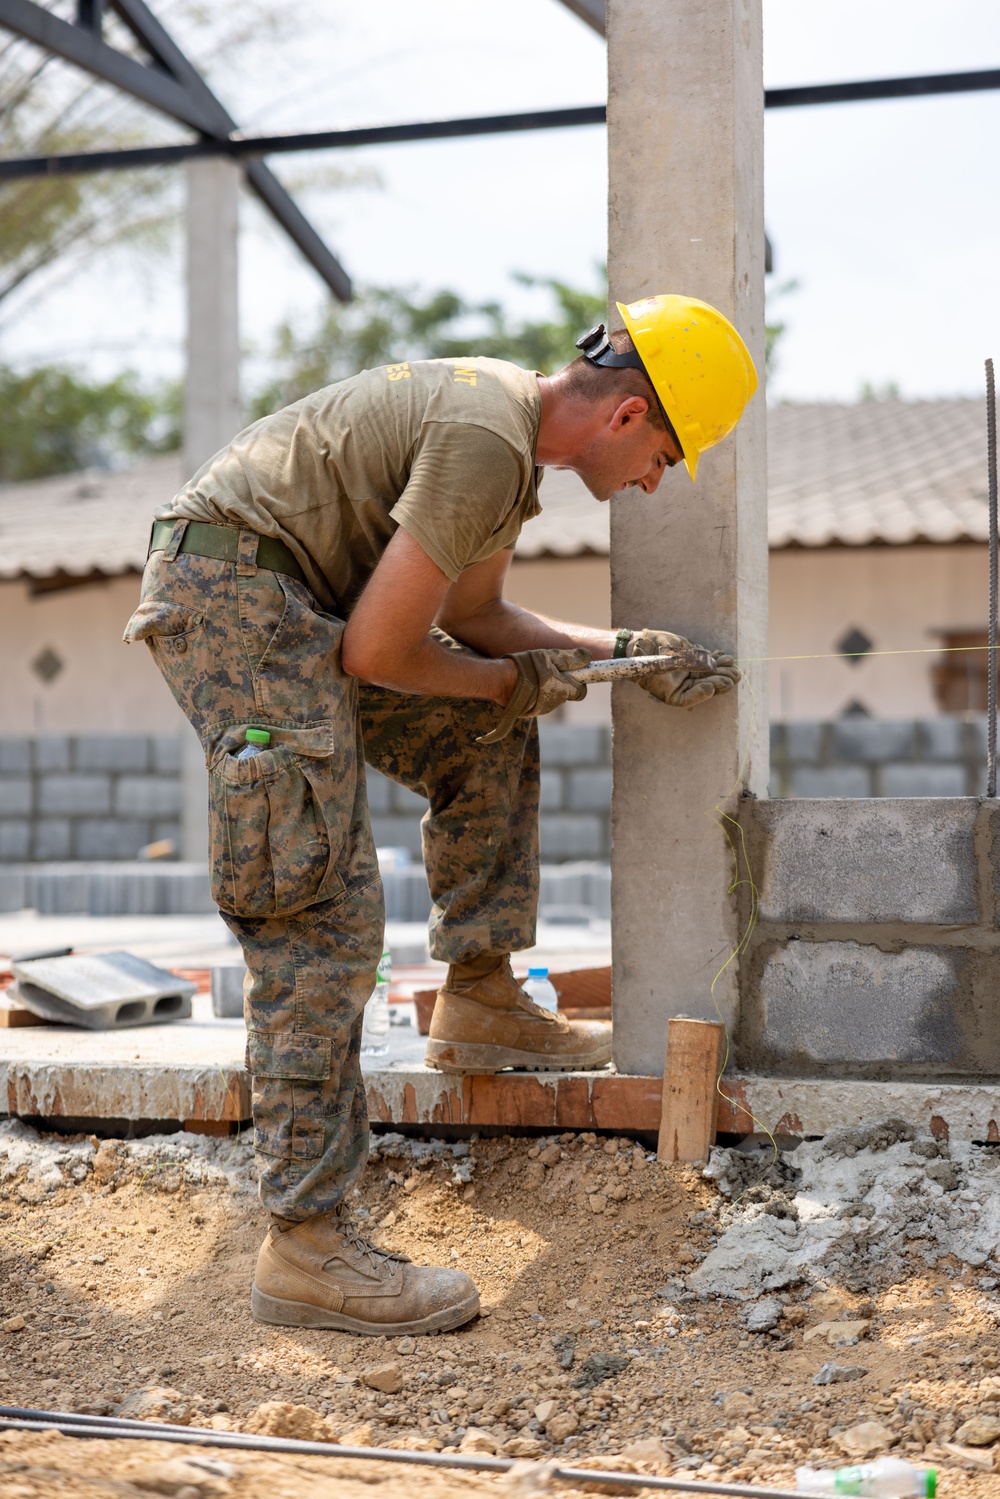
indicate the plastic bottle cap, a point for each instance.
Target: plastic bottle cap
{"x":538,"y":973}
{"x":258,"y":736}
{"x":930,"y":1483}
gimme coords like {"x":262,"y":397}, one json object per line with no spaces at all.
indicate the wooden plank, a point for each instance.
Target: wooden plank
{"x":14,"y":1017}
{"x":517,"y":1100}
{"x":690,"y":1098}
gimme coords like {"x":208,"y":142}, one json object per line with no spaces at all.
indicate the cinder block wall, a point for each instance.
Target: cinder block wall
{"x":871,"y":757}
{"x":876,"y":950}
{"x":106,"y":796}
{"x":96,"y":796}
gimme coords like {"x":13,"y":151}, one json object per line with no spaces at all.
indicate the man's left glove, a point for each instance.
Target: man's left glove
{"x":681,"y":689}
{"x":542,"y":685}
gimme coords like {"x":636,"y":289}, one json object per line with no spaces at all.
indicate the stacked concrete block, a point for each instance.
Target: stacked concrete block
{"x":875,"y":951}
{"x":874,"y":757}
{"x":94,"y":796}
{"x":576,"y":791}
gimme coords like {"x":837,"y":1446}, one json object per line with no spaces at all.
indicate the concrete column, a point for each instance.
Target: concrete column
{"x":685,"y":214}
{"x":212,"y":412}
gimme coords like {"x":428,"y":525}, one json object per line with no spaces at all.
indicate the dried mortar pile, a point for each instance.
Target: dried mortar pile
{"x":733,"y":1323}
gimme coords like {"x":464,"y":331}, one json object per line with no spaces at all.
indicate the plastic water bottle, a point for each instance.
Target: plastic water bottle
{"x":887,"y":1478}
{"x":257,"y":742}
{"x":375,"y":1026}
{"x":539,"y":988}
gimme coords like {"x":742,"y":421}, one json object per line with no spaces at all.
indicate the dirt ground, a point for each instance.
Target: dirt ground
{"x":124,"y":1279}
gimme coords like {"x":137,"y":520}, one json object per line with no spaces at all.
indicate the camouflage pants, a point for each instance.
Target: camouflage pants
{"x":292,"y":856}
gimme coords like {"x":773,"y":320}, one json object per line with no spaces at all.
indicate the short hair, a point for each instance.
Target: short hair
{"x":594,"y":382}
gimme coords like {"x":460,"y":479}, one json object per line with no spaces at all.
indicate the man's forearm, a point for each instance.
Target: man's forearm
{"x":434,"y":670}
{"x":503,"y":628}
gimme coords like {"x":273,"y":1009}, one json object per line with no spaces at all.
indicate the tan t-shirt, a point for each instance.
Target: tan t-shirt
{"x":444,"y":448}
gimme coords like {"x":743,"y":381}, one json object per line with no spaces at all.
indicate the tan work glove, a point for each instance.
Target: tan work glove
{"x":542,"y":685}
{"x":681,"y":689}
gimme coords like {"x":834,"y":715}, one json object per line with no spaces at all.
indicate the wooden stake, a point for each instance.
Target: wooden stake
{"x":690,"y":1100}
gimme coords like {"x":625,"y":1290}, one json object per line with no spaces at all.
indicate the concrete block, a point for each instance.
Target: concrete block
{"x":407,"y":897}
{"x":15,"y":796}
{"x":872,"y":739}
{"x":119,"y":752}
{"x":227,"y":991}
{"x":864,"y":861}
{"x":147,"y":796}
{"x":923,"y":780}
{"x":51,"y":839}
{"x":573,"y":744}
{"x":804,"y":743}
{"x":52,"y":752}
{"x":977,"y":730}
{"x":551,"y":791}
{"x":103,"y":991}
{"x":404,"y":800}
{"x":379,"y":791}
{"x":590,"y":790}
{"x":15,"y":756}
{"x":845,"y":1003}
{"x":75,"y":795}
{"x":830,"y":780}
{"x":397,"y":832}
{"x":15,"y":840}
{"x":165,"y":754}
{"x":109,"y":838}
{"x":568,"y":837}
{"x":941,"y":739}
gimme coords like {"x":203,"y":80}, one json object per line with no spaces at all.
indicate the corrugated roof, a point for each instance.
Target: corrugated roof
{"x":876,"y":471}
{"x":82,"y":523}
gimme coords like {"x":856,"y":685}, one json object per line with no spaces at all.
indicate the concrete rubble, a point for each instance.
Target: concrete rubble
{"x":851,"y":1207}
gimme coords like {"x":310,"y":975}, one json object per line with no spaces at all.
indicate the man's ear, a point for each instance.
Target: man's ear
{"x":629,"y":411}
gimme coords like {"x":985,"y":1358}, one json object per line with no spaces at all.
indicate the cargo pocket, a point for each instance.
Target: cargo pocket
{"x":290,"y":1078}
{"x":279,"y":822}
{"x":158,"y":621}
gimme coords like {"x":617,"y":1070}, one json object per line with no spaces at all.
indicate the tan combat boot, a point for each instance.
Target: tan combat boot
{"x":322,"y":1273}
{"x":492,"y":1023}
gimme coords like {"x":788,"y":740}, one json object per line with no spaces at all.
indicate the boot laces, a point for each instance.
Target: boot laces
{"x":375,"y":1256}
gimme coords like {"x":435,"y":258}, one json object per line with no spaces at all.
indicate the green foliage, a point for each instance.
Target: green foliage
{"x":384,"y":325}
{"x":888,"y":391}
{"x":55,"y":422}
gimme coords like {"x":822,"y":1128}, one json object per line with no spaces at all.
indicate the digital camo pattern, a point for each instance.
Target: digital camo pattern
{"x":292,"y":856}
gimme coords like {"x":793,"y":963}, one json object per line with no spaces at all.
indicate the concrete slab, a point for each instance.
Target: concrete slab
{"x":102,"y":991}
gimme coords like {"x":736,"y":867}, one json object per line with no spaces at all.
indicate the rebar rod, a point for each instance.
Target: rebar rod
{"x":991,"y":654}
{"x":72,"y":1424}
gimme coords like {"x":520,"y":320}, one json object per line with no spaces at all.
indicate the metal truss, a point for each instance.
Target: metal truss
{"x":172,"y":85}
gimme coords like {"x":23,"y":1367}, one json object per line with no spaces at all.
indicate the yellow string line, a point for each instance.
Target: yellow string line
{"x":922,"y":650}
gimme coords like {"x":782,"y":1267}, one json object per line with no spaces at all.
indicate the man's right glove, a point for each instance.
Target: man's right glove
{"x":681,"y":689}
{"x":542,"y":685}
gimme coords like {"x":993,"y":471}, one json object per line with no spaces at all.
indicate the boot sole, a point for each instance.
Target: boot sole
{"x":279,"y":1313}
{"x":467,"y":1056}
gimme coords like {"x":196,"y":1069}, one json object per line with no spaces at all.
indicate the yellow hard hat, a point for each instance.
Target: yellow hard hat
{"x":699,"y":367}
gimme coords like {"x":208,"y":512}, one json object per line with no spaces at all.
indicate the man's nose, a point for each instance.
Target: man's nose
{"x":649,"y":482}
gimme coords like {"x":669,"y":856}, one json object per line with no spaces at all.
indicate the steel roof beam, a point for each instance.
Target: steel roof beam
{"x":175,"y":88}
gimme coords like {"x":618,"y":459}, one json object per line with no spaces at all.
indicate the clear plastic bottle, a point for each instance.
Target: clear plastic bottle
{"x":375,"y":1026}
{"x":539,"y":988}
{"x":886,"y":1478}
{"x":257,"y":742}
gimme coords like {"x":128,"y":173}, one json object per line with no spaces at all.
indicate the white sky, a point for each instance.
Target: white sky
{"x":888,"y":214}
